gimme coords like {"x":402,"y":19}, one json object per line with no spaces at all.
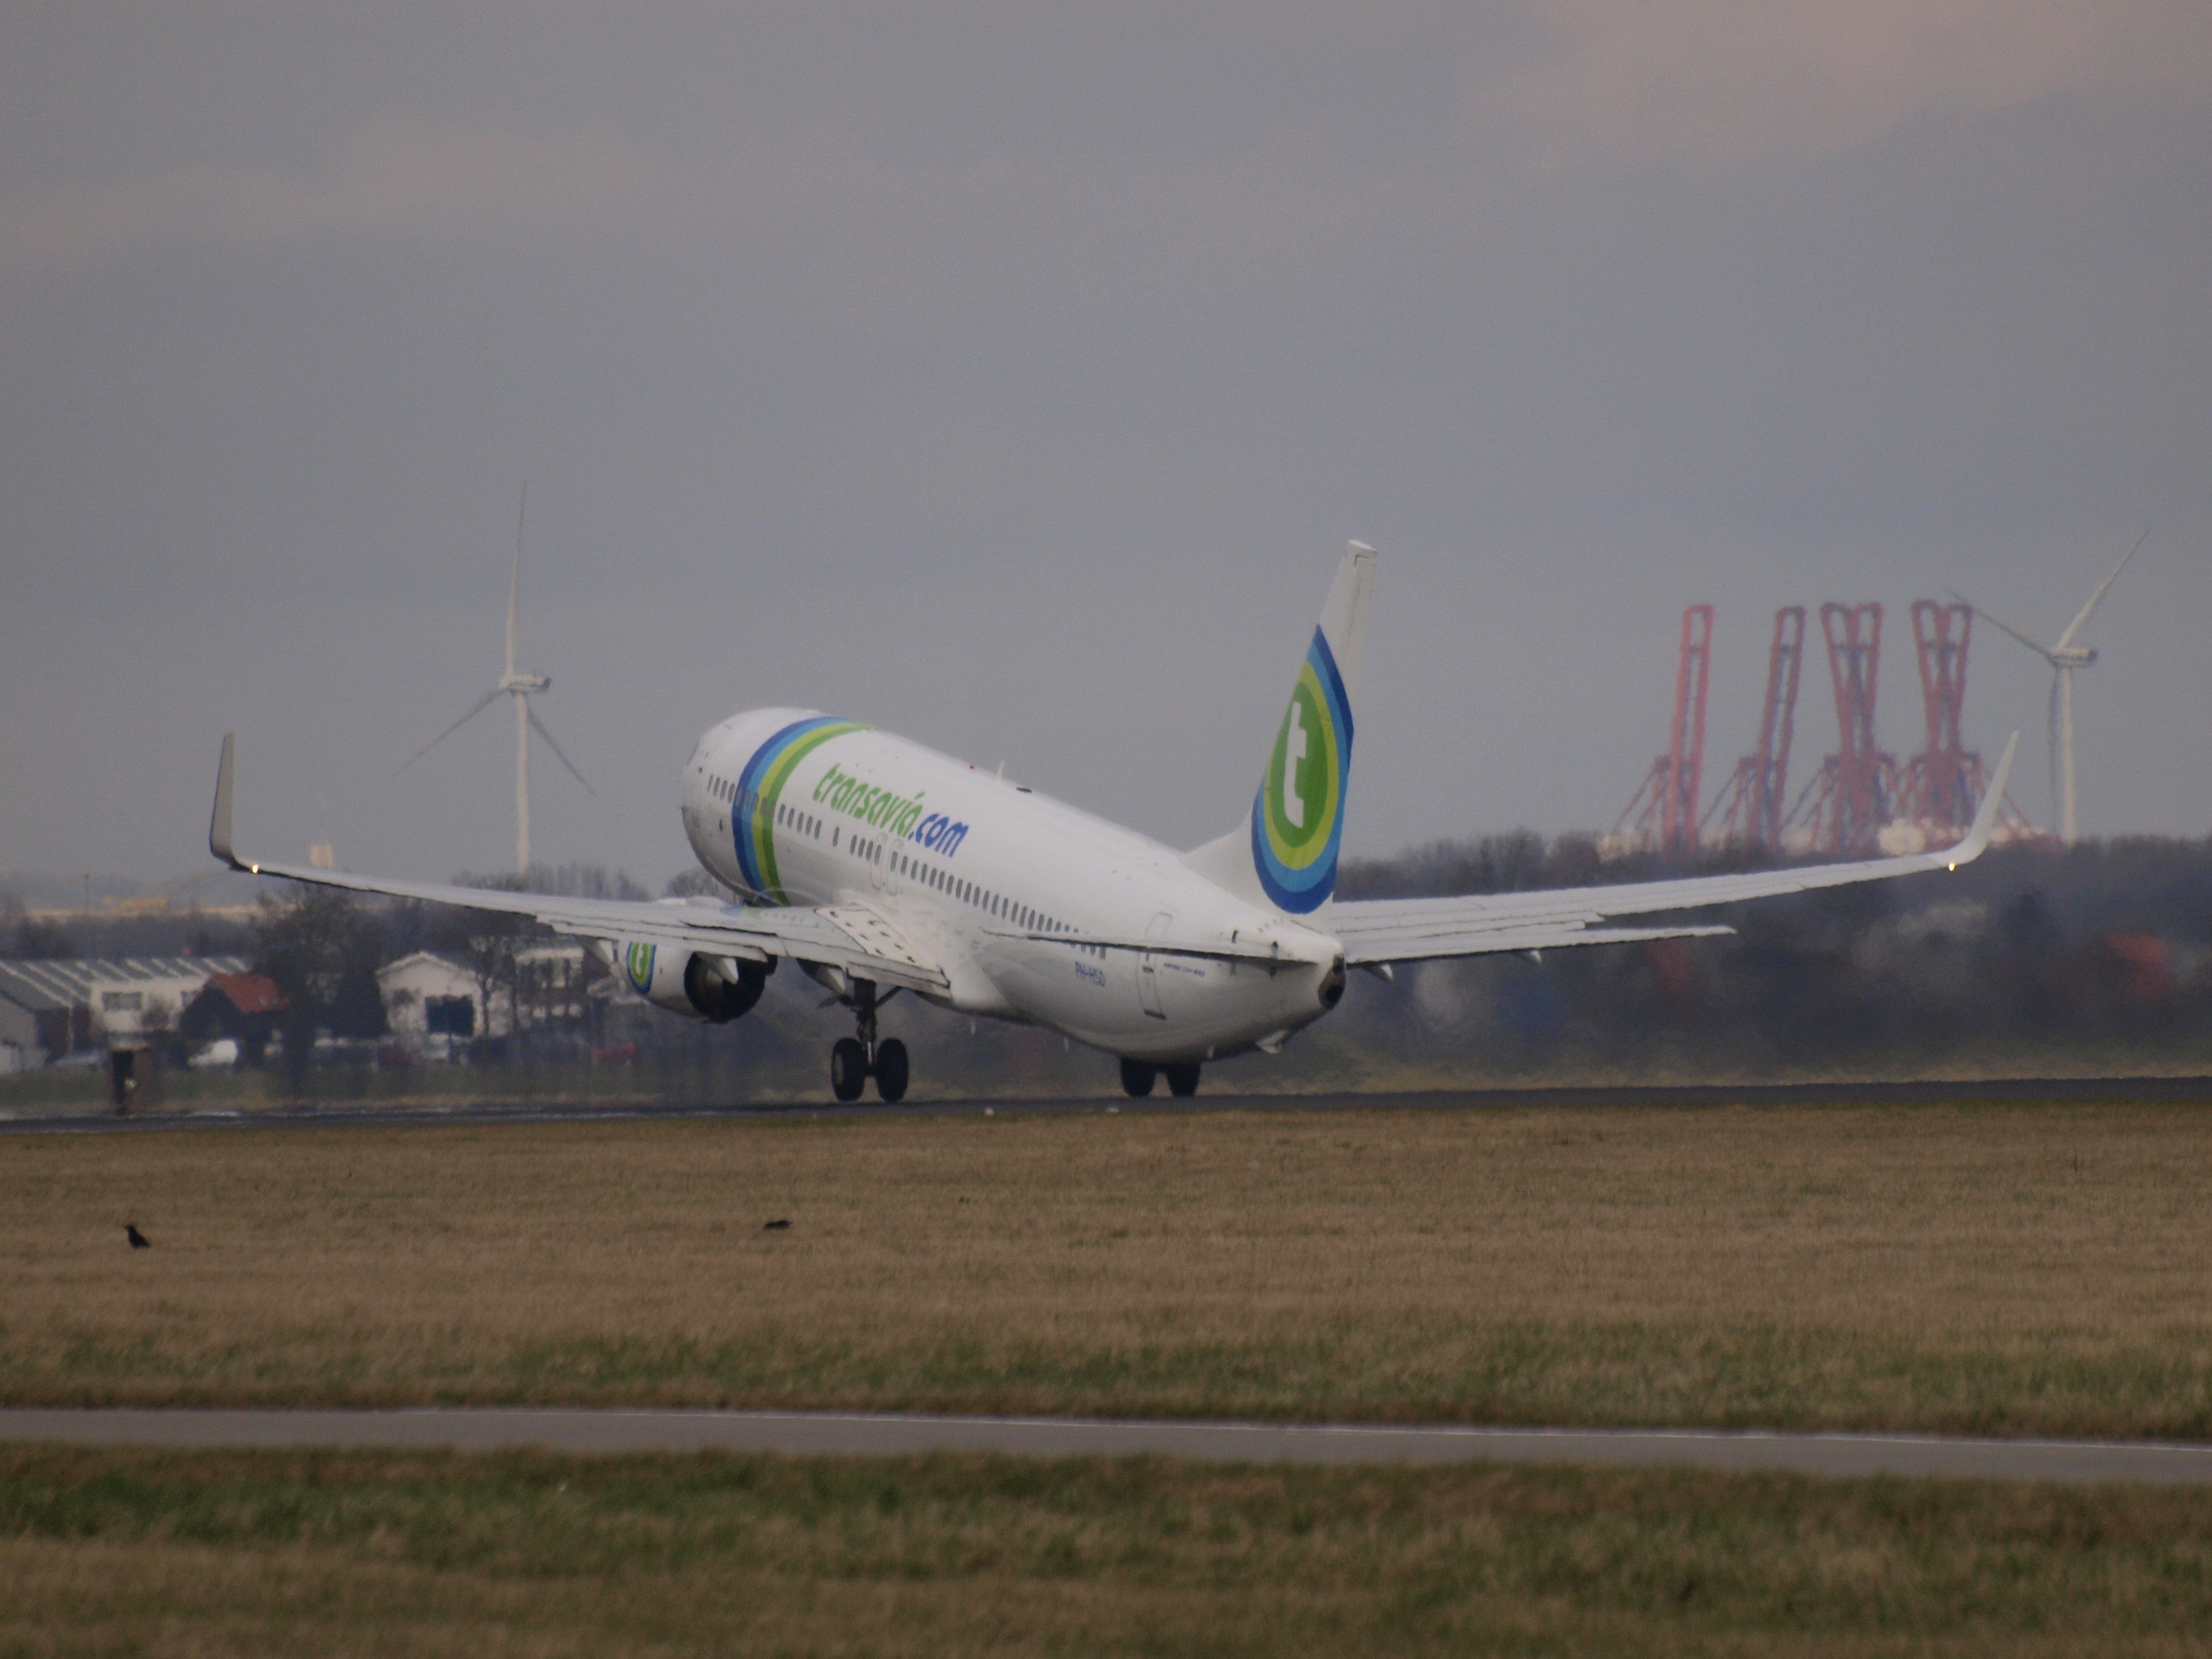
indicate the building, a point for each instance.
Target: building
{"x":426,"y":996}
{"x":552,"y":985}
{"x":49,"y":1009}
{"x":243,"y":1007}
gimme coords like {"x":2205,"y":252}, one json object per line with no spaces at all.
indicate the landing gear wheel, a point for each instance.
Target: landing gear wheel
{"x":1183,"y":1080}
{"x":849,"y":1068}
{"x":1137,"y":1079}
{"x":891,"y":1071}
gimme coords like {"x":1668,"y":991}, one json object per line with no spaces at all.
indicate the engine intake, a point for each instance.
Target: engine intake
{"x":698,"y":986}
{"x":718,"y":998}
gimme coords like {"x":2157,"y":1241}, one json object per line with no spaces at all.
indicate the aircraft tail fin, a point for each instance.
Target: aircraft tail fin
{"x":1284,"y":854}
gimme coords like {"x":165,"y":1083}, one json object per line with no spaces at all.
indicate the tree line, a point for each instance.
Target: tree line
{"x":2098,"y":956}
{"x":2102,"y":951}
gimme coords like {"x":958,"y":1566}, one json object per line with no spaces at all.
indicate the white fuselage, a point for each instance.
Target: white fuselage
{"x":997,"y":884}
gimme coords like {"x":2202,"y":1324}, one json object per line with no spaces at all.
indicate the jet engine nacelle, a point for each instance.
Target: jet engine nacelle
{"x":716,"y":989}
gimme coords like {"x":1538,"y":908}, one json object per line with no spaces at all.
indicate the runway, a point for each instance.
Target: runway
{"x":863,"y":1434}
{"x":2019,"y":1091}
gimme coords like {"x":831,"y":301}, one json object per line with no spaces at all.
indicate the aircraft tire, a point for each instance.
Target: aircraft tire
{"x":1183,"y":1080}
{"x":891,"y":1071}
{"x":849,"y":1068}
{"x":1137,"y":1079}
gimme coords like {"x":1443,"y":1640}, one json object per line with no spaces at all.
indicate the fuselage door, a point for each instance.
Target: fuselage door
{"x":1148,"y":968}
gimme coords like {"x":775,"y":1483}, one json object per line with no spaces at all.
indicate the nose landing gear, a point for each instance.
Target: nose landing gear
{"x":854,"y":1060}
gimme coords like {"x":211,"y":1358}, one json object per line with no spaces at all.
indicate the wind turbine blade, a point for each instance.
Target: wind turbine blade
{"x":514,"y":581}
{"x":538,"y":726}
{"x":1992,"y":616}
{"x":2074,"y":627}
{"x":475,"y":709}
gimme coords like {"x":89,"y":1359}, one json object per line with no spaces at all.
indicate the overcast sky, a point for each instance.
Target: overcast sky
{"x":1012,"y":377}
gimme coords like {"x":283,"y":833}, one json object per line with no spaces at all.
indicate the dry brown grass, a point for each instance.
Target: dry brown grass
{"x":179,"y":1553}
{"x":2005,"y":1268}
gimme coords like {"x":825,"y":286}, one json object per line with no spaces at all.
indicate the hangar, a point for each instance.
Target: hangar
{"x":52,"y":1008}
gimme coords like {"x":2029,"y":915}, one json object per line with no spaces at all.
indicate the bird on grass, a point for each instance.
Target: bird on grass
{"x":138,"y":1240}
{"x":777,"y":1227}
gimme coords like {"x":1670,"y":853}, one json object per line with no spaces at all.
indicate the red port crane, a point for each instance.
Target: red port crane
{"x":1847,"y":803}
{"x":1750,"y":805}
{"x":1942,"y":787}
{"x":1939,"y":788}
{"x":1663,"y":815}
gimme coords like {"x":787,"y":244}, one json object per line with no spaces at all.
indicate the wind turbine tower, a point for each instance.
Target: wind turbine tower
{"x":520,"y":687}
{"x":2064,"y":656}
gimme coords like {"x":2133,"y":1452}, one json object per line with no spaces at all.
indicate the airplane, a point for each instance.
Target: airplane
{"x":878,"y":866}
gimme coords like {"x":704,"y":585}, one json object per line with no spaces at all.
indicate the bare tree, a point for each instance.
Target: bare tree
{"x":25,"y":937}
{"x":488,"y":944}
{"x":322,"y":949}
{"x":698,"y":884}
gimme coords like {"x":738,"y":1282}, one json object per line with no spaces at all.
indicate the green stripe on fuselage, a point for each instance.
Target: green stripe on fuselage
{"x":762,"y":827}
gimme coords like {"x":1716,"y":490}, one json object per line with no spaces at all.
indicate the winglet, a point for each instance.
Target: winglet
{"x":1985,"y":820}
{"x":219,"y":842}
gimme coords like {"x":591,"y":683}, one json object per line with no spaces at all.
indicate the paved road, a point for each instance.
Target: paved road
{"x":2043,"y":1089}
{"x":883,"y":1435}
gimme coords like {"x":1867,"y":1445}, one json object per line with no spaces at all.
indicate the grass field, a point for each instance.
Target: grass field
{"x":1996,"y":1269}
{"x":244,"y":1554}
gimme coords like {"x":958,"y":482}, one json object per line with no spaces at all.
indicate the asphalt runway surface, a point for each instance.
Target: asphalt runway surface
{"x":1989,"y":1090}
{"x":866,"y":1434}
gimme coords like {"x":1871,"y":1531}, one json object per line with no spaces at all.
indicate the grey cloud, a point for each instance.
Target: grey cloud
{"x":395,"y":175}
{"x":1012,"y":378}
{"x":1730,"y":81}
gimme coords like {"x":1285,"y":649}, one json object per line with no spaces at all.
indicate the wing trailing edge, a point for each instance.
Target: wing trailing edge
{"x":852,"y":938}
{"x":1407,"y":930}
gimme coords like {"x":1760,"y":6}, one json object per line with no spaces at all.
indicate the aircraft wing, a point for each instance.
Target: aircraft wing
{"x":850,"y":937}
{"x":1378,"y":930}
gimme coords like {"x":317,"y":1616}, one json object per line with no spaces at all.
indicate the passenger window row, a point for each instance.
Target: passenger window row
{"x":805,"y":824}
{"x":997,"y":905}
{"x":787,"y":816}
{"x":967,"y":893}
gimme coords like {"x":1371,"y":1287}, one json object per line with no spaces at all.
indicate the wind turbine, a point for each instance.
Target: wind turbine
{"x":522,"y":688}
{"x":2064,"y":657}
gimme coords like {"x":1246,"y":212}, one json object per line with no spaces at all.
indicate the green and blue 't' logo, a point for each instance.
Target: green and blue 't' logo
{"x":1297,"y":818}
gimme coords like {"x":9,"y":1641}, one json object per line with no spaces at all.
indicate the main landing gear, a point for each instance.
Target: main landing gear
{"x":1138,"y":1077}
{"x":854,"y":1060}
